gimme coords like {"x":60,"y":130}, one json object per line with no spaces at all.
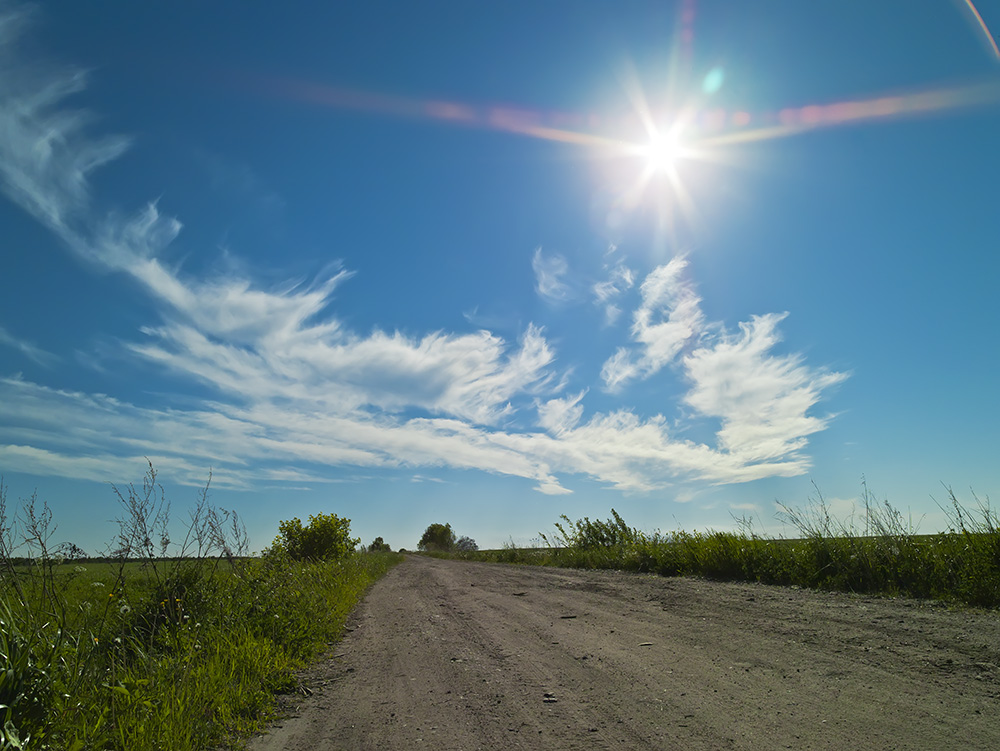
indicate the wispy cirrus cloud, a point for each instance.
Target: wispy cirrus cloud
{"x":550,"y":273}
{"x":45,"y":154}
{"x":668,"y":317}
{"x":763,"y":400}
{"x":243,"y":444}
{"x":26,"y":348}
{"x":471,"y":376}
{"x":620,"y":279}
{"x":639,"y":454}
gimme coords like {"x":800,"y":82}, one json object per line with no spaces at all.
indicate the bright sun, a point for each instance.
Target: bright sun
{"x":663,"y":151}
{"x":664,"y":158}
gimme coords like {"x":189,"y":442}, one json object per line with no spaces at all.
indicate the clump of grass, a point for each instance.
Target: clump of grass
{"x":878,"y":551}
{"x":145,"y":651}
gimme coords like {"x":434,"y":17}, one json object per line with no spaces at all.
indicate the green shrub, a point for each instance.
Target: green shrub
{"x":327,"y":537}
{"x":437,"y":538}
{"x":379,"y":546}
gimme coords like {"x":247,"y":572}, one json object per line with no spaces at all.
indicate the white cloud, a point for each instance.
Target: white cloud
{"x":618,"y":370}
{"x":636,"y":454}
{"x":611,"y":314}
{"x":90,"y":434}
{"x":44,"y":155}
{"x":668,"y":317}
{"x":620,"y":279}
{"x":559,"y":415}
{"x":549,"y":274}
{"x":472,"y":376}
{"x":37,"y":354}
{"x":762,"y":399}
{"x":97,"y":467}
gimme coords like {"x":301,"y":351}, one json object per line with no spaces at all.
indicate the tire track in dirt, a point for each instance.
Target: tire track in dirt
{"x":452,"y":655}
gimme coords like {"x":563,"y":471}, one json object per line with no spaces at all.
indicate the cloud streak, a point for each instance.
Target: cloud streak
{"x":549,"y":276}
{"x":29,"y":350}
{"x":668,"y":317}
{"x":620,"y":280}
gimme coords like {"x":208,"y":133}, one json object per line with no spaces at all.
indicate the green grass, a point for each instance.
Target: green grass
{"x":884,"y":557}
{"x":153,"y":653}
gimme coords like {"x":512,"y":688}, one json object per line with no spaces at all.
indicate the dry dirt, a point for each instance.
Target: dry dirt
{"x":450,"y":655}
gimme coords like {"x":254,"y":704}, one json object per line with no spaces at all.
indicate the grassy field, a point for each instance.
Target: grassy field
{"x":148,"y":652}
{"x":877,"y":553}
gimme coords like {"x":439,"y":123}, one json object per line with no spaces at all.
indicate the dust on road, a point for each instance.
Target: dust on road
{"x":451,"y":655}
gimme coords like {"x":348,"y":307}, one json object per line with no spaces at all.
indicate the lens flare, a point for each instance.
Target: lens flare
{"x":794,"y":120}
{"x":685,"y":130}
{"x":988,"y":40}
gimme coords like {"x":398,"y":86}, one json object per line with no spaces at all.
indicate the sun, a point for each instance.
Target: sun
{"x":663,"y":151}
{"x":663,"y":159}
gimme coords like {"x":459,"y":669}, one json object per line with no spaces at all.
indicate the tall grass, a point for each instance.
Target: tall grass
{"x":877,"y":552}
{"x":150,"y":652}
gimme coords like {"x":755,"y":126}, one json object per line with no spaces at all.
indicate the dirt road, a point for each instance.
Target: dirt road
{"x":448,"y":655}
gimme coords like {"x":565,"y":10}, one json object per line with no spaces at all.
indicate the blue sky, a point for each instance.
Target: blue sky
{"x":489,"y":263}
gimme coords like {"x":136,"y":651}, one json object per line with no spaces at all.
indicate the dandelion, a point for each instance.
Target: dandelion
{"x":124,"y":609}
{"x":97,"y":585}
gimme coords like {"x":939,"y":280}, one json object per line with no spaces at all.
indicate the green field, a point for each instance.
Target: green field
{"x":150,"y":652}
{"x":878,"y":553}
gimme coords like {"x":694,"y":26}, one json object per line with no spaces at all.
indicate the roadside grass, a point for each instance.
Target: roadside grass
{"x":878,"y":552}
{"x":149,"y":652}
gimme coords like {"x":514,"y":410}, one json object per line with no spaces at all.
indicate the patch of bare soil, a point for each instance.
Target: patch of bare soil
{"x":449,"y":655}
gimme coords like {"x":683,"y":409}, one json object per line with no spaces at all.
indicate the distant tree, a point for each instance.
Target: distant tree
{"x":378,"y":546}
{"x":466,"y":544}
{"x":437,"y":537}
{"x":326,"y":537}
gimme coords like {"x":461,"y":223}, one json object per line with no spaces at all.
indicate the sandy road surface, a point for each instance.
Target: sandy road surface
{"x":451,"y":655}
